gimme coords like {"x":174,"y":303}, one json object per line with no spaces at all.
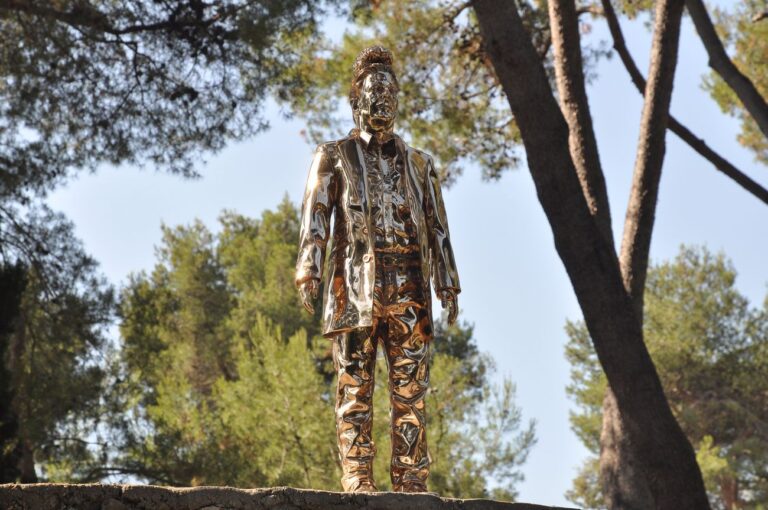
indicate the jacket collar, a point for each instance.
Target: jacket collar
{"x":366,"y":137}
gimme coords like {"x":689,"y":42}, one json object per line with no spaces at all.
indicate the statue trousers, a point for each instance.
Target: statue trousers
{"x":402,"y":325}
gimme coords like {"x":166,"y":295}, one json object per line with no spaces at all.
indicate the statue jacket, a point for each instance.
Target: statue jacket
{"x":337,"y":185}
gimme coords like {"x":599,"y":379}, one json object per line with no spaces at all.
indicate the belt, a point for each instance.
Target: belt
{"x":397,"y":260}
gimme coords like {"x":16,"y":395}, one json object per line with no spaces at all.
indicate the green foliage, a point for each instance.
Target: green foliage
{"x":747,"y":39}
{"x":457,"y":341}
{"x":587,"y":387}
{"x":268,"y":425}
{"x":711,"y":351}
{"x":277,"y":413}
{"x":451,"y":103}
{"x":586,"y":491}
{"x":223,"y":385}
{"x":258,"y":257}
{"x":53,"y":346}
{"x":633,"y":8}
{"x":83,"y":83}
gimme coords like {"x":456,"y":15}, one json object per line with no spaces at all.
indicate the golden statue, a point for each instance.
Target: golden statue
{"x":390,"y":235}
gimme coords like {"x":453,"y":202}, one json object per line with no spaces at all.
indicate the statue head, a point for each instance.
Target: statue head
{"x":373,"y":94}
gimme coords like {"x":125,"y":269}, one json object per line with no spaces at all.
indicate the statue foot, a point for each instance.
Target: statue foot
{"x":363,"y":486}
{"x":412,"y":487}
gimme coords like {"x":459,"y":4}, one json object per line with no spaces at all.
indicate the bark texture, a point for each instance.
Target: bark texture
{"x":676,"y":126}
{"x":624,"y":485}
{"x":146,"y":497}
{"x":651,"y":147}
{"x":569,"y":70}
{"x":661,"y":448}
{"x":724,"y":66}
{"x":622,"y":478}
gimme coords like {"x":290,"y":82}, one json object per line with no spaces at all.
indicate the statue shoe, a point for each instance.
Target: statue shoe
{"x":412,"y":487}
{"x":363,"y":485}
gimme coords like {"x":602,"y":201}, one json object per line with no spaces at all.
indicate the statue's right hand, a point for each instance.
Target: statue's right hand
{"x":308,"y":292}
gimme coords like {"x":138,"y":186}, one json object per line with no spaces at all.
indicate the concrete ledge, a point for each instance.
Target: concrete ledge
{"x":46,"y":496}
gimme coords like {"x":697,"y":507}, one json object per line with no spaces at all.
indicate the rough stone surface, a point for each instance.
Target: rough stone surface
{"x":47,"y":496}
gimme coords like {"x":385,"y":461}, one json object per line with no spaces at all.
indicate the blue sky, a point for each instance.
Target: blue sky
{"x":515,"y":289}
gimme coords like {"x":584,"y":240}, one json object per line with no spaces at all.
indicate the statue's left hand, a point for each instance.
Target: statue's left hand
{"x":308,"y":293}
{"x":450,"y":302}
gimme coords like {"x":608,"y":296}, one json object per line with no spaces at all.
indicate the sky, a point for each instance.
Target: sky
{"x":515,"y":290}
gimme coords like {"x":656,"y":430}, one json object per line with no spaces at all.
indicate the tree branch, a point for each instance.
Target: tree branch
{"x":717,"y":160}
{"x":589,"y":9}
{"x":94,"y":19}
{"x":450,"y":15}
{"x":569,"y":70}
{"x":676,"y":126}
{"x":641,"y":210}
{"x":718,"y":60}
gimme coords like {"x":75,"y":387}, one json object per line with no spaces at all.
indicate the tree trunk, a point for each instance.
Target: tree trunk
{"x":569,"y":70}
{"x":12,"y":284}
{"x":624,"y":485}
{"x":622,"y":480}
{"x":651,"y":146}
{"x":729,"y":490}
{"x":591,"y":263}
{"x":27,"y":472}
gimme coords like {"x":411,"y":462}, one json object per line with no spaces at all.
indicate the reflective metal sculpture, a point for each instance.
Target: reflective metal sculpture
{"x":390,"y":238}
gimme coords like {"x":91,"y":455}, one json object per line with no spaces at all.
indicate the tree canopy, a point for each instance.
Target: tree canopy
{"x":448,"y":92}
{"x":55,"y":352}
{"x":84,"y":83}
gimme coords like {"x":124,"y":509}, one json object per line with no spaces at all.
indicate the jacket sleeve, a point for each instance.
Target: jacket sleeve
{"x":442,"y":263}
{"x":319,"y":199}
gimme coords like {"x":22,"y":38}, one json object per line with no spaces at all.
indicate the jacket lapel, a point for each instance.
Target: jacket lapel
{"x":353,"y":166}
{"x":413,"y":177}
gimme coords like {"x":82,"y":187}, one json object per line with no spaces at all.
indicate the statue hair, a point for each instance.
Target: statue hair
{"x":371,"y":59}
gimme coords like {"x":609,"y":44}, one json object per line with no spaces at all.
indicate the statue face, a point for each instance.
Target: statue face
{"x":377,"y":103}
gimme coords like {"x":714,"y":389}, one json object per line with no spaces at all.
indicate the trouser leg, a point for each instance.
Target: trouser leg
{"x":407,"y":352}
{"x":354,"y":356}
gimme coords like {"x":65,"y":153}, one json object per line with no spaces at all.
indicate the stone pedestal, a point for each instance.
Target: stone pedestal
{"x":148,"y":497}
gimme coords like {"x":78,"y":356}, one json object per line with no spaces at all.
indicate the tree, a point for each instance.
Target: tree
{"x":55,"y":309}
{"x":249,"y":399}
{"x":12,"y":278}
{"x":709,"y":347}
{"x":85,"y":83}
{"x":82,"y":84}
{"x":526,"y":49}
{"x":448,"y":91}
